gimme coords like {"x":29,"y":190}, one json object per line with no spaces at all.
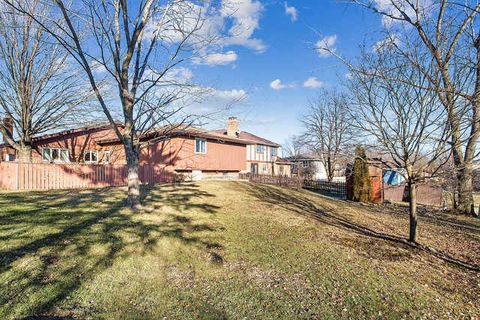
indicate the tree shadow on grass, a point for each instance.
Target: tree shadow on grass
{"x":302,"y":205}
{"x":52,"y":242}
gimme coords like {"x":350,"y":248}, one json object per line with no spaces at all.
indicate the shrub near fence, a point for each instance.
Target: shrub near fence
{"x":46,"y":176}
{"x":336,"y":189}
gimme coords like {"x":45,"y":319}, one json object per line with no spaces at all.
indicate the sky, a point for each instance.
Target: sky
{"x":275,"y":63}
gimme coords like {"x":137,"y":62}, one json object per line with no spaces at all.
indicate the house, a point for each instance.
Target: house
{"x":190,"y":152}
{"x":262,"y":154}
{"x":307,"y":165}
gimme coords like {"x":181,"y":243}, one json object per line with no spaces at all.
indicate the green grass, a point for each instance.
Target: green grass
{"x":215,"y":250}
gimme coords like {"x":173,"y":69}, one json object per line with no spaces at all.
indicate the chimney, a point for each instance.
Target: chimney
{"x":8,"y":124}
{"x":233,"y":127}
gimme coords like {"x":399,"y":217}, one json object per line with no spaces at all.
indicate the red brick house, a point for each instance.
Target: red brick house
{"x":191,"y":152}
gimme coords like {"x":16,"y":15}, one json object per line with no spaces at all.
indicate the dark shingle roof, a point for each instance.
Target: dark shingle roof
{"x":251,"y":137}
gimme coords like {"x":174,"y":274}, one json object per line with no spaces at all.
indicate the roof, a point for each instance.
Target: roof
{"x":302,"y":158}
{"x":249,"y":136}
{"x":171,"y":131}
{"x":283,"y":161}
{"x":166,"y":132}
{"x":96,"y":126}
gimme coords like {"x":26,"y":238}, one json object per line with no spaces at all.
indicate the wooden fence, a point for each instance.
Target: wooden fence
{"x":336,"y":189}
{"x":426,"y":194}
{"x":46,"y":176}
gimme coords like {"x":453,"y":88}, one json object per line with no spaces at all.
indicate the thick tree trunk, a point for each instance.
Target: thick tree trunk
{"x":412,"y":193}
{"x":132,"y":155}
{"x":465,"y":190}
{"x":24,"y":153}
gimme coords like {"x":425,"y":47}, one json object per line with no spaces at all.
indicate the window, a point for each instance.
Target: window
{"x":274,"y":151}
{"x":10,"y":157}
{"x":90,"y":156}
{"x":106,"y":156}
{"x":200,"y":145}
{"x":265,"y":167}
{"x":55,"y":154}
{"x":305,"y":164}
{"x":260,"y":148}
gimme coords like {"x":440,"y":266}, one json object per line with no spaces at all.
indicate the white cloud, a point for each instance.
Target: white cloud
{"x":326,"y":46}
{"x":215,"y":59}
{"x":291,"y":11}
{"x":387,"y":43}
{"x":278,"y":85}
{"x":241,"y":16}
{"x":234,"y":94}
{"x":245,"y":16}
{"x":313,"y":83}
{"x":391,"y":8}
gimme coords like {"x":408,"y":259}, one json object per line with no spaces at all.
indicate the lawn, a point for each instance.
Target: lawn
{"x":213,"y":250}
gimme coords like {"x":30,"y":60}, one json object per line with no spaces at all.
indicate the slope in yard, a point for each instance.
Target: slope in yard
{"x":229,"y":250}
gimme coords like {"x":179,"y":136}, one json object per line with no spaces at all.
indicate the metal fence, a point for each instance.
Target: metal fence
{"x":337,"y":189}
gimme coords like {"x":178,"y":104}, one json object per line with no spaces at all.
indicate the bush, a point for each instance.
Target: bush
{"x":361,"y":176}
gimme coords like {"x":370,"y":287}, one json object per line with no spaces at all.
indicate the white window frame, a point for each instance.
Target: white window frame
{"x":9,"y":157}
{"x":195,"y":147}
{"x":274,"y":151}
{"x":90,"y":152}
{"x":262,"y":148}
{"x":59,"y":151}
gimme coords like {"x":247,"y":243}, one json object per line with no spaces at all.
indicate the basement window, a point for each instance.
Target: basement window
{"x":90,"y":156}
{"x":200,"y":145}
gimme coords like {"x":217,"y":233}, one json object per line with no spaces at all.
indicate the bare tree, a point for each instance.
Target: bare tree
{"x":135,"y":48}
{"x":38,"y":92}
{"x":446,"y":33}
{"x":328,"y":130}
{"x":407,"y":122}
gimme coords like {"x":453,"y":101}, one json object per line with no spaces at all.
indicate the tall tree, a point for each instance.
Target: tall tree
{"x":445,"y":32}
{"x":38,"y":91}
{"x":136,"y":47}
{"x":327,"y":128}
{"x":361,"y":176}
{"x":406,"y":122}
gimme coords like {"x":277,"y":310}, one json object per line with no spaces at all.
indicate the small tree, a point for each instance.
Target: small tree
{"x":405,"y":121}
{"x":361,"y":176}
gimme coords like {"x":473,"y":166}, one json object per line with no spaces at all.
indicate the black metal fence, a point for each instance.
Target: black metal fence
{"x":336,"y":189}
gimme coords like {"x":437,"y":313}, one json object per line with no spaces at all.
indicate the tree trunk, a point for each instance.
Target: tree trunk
{"x":132,"y":155}
{"x":24,"y":153}
{"x":465,"y":189}
{"x":412,"y":194}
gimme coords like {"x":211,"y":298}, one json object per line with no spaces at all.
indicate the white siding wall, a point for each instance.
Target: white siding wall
{"x":253,"y":155}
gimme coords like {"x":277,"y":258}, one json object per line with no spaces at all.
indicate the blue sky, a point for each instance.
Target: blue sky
{"x":290,"y":57}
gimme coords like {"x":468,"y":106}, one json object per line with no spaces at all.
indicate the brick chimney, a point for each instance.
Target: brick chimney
{"x":8,"y":124}
{"x":233,"y":126}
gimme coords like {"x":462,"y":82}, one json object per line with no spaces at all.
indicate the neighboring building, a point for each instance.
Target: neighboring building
{"x":191,"y":152}
{"x":308,"y":165}
{"x":262,"y":154}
